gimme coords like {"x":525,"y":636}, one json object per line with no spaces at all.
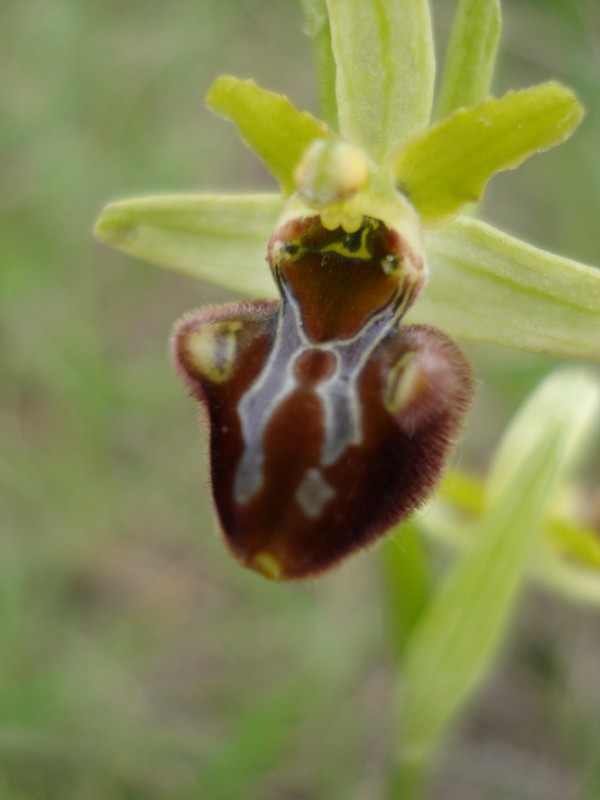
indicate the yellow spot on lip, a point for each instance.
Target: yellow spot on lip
{"x":267,"y":565}
{"x":212,"y":349}
{"x":406,"y":382}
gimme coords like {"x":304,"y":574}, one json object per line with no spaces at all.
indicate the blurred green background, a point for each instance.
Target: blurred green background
{"x":137,"y":660}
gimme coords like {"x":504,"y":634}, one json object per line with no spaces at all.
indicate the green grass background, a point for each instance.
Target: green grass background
{"x":137,"y":660}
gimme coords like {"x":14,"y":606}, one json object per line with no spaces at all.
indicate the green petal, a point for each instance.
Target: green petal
{"x":488,"y":287}
{"x":471,"y":56}
{"x":449,"y":164}
{"x":385,"y":70}
{"x":454,"y":645}
{"x":215,"y":238}
{"x":318,"y":28}
{"x":269,"y":123}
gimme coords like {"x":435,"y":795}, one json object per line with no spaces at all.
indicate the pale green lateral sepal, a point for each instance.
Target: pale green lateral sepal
{"x":458,"y":637}
{"x":269,"y":123}
{"x":450,"y":163}
{"x":220,"y":239}
{"x":317,"y":27}
{"x":385,"y":70}
{"x":486,"y":286}
{"x":471,"y":56}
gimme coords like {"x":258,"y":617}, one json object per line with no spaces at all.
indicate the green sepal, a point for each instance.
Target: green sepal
{"x":385,"y":70}
{"x":220,"y":239}
{"x":486,"y":286}
{"x":471,"y":56}
{"x":450,"y":163}
{"x":269,"y":123}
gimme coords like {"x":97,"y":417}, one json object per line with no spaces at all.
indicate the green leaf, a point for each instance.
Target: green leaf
{"x":488,"y":287}
{"x":456,"y":641}
{"x":568,"y":558}
{"x":269,"y":123}
{"x":317,"y":27}
{"x":565,"y":563}
{"x":450,"y":163}
{"x":471,"y":56}
{"x":385,"y":70}
{"x":215,"y":238}
{"x":533,"y":421}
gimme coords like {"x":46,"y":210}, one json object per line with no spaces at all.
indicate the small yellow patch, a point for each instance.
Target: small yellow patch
{"x":406,"y":381}
{"x":267,"y":565}
{"x":347,"y":214}
{"x":212,"y":350}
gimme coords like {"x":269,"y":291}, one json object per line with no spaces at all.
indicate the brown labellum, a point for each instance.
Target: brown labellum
{"x":330,"y":420}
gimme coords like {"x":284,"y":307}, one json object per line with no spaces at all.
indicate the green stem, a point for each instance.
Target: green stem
{"x":407,"y":589}
{"x":406,"y":584}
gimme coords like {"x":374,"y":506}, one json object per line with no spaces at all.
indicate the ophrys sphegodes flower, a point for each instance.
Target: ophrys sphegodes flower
{"x":330,"y":420}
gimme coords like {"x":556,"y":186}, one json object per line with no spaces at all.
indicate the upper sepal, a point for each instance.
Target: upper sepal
{"x":385,"y":70}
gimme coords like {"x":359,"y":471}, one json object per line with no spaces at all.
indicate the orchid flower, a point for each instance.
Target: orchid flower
{"x":379,"y":165}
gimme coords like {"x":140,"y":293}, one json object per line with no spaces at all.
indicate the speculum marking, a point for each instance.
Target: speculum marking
{"x":338,"y":366}
{"x":313,"y":493}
